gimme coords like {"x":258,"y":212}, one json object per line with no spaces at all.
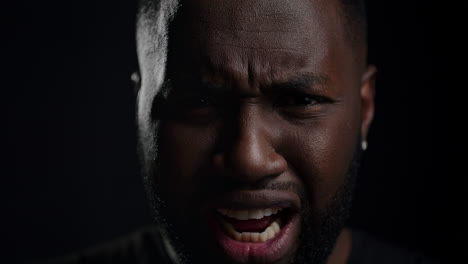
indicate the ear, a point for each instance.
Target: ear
{"x":367,"y":99}
{"x":136,"y":80}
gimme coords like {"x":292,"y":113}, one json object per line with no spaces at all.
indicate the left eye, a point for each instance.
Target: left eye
{"x":299,"y":100}
{"x":303,"y":100}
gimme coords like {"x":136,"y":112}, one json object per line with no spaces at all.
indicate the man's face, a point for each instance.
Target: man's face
{"x":250,"y":144}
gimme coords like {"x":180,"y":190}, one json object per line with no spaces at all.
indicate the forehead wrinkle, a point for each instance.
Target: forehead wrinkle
{"x":245,"y":66}
{"x":267,"y":49}
{"x":253,"y":41}
{"x":241,"y":72}
{"x":250,"y":73}
{"x":290,"y":28}
{"x":232,"y":36}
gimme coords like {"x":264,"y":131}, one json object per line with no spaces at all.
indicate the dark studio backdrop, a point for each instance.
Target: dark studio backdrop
{"x":70,"y":177}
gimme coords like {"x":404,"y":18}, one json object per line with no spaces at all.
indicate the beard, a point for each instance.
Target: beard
{"x":319,"y":230}
{"x":318,"y":237}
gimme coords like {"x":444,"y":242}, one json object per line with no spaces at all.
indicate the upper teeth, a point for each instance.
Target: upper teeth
{"x":249,"y":214}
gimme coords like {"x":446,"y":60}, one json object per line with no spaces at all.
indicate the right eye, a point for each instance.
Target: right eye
{"x":196,"y":101}
{"x":194,"y":108}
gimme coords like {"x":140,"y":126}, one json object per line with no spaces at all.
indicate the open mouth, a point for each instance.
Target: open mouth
{"x":257,"y":231}
{"x":255,"y":225}
{"x":260,"y":226}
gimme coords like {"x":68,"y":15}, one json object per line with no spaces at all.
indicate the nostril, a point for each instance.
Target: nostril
{"x":218,"y":161}
{"x":278,"y":162}
{"x":249,"y":169}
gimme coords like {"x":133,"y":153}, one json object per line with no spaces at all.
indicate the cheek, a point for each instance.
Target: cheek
{"x":184,"y":151}
{"x":322,"y":156}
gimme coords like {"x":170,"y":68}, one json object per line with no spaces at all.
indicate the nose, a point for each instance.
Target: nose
{"x":249,"y":156}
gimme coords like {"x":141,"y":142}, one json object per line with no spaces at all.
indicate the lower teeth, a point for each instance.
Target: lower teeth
{"x":269,"y":233}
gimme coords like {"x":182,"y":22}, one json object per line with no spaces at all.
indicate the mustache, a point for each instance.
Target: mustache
{"x":215,"y":187}
{"x":284,"y":186}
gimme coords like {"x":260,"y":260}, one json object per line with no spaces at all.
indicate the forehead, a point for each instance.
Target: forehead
{"x":255,"y":42}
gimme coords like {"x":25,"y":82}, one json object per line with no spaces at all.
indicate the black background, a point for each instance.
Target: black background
{"x":70,"y":175}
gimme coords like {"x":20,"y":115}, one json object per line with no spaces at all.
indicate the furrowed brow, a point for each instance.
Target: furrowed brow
{"x":194,"y":86}
{"x":305,"y":81}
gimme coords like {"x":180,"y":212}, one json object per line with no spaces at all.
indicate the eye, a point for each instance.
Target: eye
{"x":300,"y":105}
{"x":195,"y":108}
{"x":196,"y":101}
{"x":300,"y":100}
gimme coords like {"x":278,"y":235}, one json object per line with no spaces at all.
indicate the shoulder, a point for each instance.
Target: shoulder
{"x":369,"y":249}
{"x":141,"y":247}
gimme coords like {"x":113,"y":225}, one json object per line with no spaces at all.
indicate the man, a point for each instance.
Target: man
{"x":252,"y":117}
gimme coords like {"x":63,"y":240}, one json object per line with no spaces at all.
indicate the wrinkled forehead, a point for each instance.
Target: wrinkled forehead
{"x":272,"y":36}
{"x":254,"y":16}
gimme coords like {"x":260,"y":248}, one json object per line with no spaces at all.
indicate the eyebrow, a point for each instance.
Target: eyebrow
{"x":206,"y":86}
{"x":304,"y":81}
{"x":193,"y":86}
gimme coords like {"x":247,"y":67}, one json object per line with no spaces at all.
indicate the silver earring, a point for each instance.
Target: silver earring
{"x":364,"y":145}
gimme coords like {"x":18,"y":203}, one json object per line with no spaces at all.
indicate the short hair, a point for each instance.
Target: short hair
{"x":354,"y":12}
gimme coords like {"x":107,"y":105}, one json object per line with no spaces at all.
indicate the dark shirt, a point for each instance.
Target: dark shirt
{"x":146,"y":246}
{"x":367,"y":249}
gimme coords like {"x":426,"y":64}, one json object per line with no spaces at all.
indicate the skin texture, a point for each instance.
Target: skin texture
{"x":255,"y":95}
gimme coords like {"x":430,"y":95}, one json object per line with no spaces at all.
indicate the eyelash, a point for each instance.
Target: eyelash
{"x":202,"y":100}
{"x":301,"y":100}
{"x":292,"y":105}
{"x":198,"y":101}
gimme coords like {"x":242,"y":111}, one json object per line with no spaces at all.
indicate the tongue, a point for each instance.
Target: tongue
{"x":251,"y":225}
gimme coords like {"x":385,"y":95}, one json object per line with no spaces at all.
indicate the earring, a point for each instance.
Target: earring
{"x":364,"y":145}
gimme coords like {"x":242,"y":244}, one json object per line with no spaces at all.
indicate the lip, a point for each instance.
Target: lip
{"x":258,"y":200}
{"x":269,"y":251}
